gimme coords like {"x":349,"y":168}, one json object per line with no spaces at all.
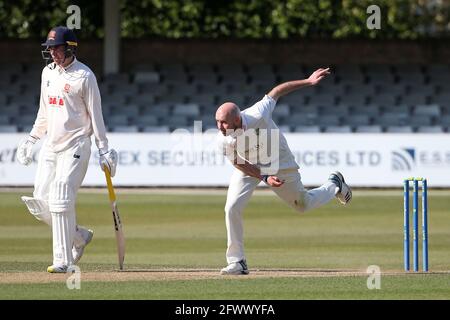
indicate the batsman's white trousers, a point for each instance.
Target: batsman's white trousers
{"x":292,"y":192}
{"x":58,"y":178}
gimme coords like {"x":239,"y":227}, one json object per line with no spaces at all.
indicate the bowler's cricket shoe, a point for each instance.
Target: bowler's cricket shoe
{"x":57,"y":269}
{"x":77,"y":251}
{"x":344,"y":194}
{"x":239,"y":267}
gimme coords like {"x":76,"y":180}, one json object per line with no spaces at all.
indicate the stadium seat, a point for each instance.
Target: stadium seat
{"x":442,"y":98}
{"x":174,"y":72}
{"x":186,"y":109}
{"x":3,"y":99}
{"x":300,"y":119}
{"x":328,"y":120}
{"x":179,"y":121}
{"x":369,"y":129}
{"x":156,"y":129}
{"x":420,"y":120}
{"x":4,"y":119}
{"x":239,"y":99}
{"x":354,"y":99}
{"x":171,"y":98}
{"x":116,"y":120}
{"x":128,"y":110}
{"x":143,"y":99}
{"x":339,"y":110}
{"x":126,"y":89}
{"x":307,"y":129}
{"x":430,"y":129}
{"x":357,"y":120}
{"x":384,"y":99}
{"x":402,"y":109}
{"x":145,"y":120}
{"x":205,"y":100}
{"x":398,"y":89}
{"x":373,"y":110}
{"x":184,"y":89}
{"x":307,"y":111}
{"x":392,"y":119}
{"x":327,"y":99}
{"x":443,"y":120}
{"x":414,"y":99}
{"x":427,"y":110}
{"x":116,"y":99}
{"x":117,"y":79}
{"x":399,"y":129}
{"x":295,"y":99}
{"x":282,"y":110}
{"x":25,"y":99}
{"x":213,"y":89}
{"x":146,"y":77}
{"x":338,"y":129}
{"x":8,"y":128}
{"x":153,"y":88}
{"x":10,"y":110}
{"x":425,"y":90}
{"x":126,"y":129}
{"x":157,"y":109}
{"x":290,"y":69}
{"x":334,"y":89}
{"x":24,"y":119}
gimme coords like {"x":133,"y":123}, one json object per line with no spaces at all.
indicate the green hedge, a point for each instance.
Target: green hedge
{"x":247,"y":19}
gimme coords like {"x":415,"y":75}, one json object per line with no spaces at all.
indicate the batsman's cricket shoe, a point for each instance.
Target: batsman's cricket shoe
{"x":57,"y":269}
{"x":78,"y":250}
{"x":239,"y":267}
{"x":344,"y":194}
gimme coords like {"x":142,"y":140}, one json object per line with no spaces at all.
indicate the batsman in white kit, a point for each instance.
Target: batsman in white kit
{"x":69,"y":113}
{"x":279,"y":170}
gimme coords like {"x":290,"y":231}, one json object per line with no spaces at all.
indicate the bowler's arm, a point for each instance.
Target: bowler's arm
{"x":246,"y":167}
{"x":254,"y":171}
{"x":290,"y":86}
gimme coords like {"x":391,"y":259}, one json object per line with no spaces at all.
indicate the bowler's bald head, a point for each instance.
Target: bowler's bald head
{"x":228,"y":109}
{"x":228,"y":117}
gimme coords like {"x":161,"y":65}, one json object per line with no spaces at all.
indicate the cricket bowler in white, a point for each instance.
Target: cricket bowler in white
{"x":285,"y":181}
{"x":69,"y":113}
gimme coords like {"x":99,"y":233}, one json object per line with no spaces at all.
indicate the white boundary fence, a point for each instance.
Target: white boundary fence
{"x":192,"y":159}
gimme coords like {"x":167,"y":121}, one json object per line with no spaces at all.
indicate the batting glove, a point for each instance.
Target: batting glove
{"x":108,"y":160}
{"x":24,"y":151}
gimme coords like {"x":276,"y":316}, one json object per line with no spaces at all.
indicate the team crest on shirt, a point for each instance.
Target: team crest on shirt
{"x":55,"y":101}
{"x":66,"y":88}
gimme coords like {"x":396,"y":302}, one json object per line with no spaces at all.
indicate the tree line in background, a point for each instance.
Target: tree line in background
{"x":241,"y":19}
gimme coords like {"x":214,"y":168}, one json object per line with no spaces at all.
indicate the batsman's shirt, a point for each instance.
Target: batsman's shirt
{"x":269,"y":150}
{"x":70,"y":107}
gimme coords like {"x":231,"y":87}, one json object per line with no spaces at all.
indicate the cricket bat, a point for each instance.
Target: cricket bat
{"x":116,"y":217}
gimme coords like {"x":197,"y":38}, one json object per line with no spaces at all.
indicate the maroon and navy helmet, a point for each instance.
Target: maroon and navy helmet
{"x":60,"y":36}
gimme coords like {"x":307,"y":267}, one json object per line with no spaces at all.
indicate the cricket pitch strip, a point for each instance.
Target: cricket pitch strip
{"x":189,"y":274}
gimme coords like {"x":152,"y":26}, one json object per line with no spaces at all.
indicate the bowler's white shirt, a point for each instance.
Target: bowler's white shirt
{"x":259,"y":116}
{"x":70,"y":107}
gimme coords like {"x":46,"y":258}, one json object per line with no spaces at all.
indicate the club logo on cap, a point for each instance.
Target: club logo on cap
{"x":51,"y":35}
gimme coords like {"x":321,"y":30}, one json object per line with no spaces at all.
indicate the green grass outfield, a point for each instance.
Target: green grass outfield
{"x":176,"y":246}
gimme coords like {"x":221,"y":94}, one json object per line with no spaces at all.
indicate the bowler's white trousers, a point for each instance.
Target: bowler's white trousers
{"x":292,"y":192}
{"x":58,"y":178}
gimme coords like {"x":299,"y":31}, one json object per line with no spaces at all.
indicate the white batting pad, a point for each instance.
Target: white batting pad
{"x":38,"y":208}
{"x":63,"y":228}
{"x":61,"y":197}
{"x":81,"y":235}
